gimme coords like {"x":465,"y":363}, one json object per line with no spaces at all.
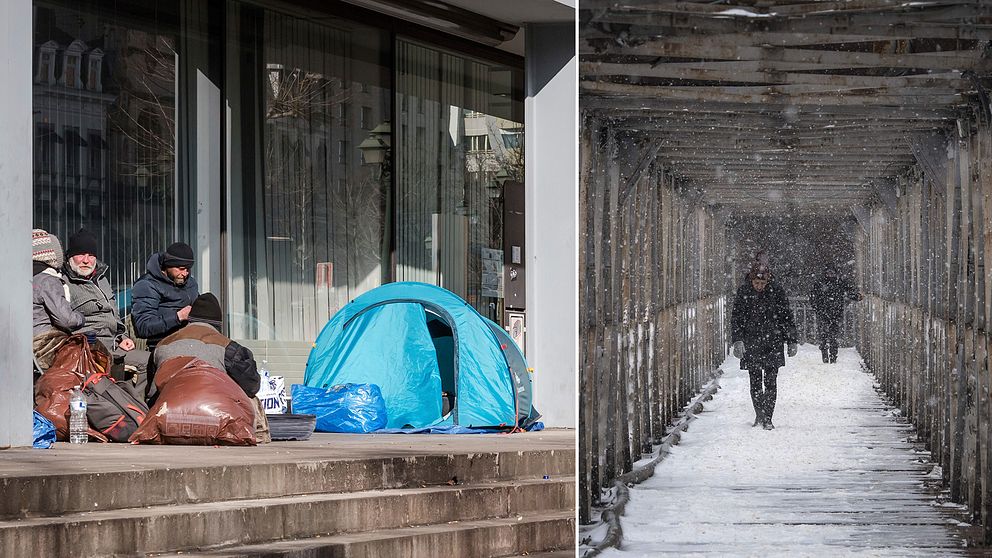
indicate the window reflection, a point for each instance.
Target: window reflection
{"x":104,"y":133}
{"x":324,"y":203}
{"x":452,"y":162}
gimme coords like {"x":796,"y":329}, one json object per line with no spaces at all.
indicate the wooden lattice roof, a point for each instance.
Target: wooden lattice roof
{"x":763,"y":103}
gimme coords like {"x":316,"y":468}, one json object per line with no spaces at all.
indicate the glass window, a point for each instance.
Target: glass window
{"x":451,"y":162}
{"x":45,"y":66}
{"x":367,"y":123}
{"x":128,"y":196}
{"x":71,"y":70}
{"x":45,"y":140}
{"x":95,"y":154}
{"x":323,"y":211}
{"x":72,"y":146}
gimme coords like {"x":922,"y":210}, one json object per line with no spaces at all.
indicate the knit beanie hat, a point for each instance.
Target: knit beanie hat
{"x":759,"y":271}
{"x":83,"y":242}
{"x":46,"y":248}
{"x":206,"y":309}
{"x":178,"y":254}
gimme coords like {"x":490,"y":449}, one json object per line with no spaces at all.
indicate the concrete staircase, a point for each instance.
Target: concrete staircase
{"x":488,"y":504}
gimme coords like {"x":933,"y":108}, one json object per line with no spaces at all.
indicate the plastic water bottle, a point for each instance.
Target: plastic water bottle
{"x":77,"y":418}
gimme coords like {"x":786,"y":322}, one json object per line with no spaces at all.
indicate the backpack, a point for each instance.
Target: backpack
{"x":110,"y":409}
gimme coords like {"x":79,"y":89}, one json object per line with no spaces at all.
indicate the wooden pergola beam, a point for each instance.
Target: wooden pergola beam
{"x":958,"y":22}
{"x":784,"y":58}
{"x":908,"y":101}
{"x":594,"y":37}
{"x":756,"y":72}
{"x":779,"y":107}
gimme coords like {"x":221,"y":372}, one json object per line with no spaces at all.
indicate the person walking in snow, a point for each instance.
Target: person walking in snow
{"x":828,"y":298}
{"x":761,"y":322}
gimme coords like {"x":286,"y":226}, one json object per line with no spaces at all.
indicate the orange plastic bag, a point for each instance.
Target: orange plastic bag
{"x":74,"y":361}
{"x":197,"y":405}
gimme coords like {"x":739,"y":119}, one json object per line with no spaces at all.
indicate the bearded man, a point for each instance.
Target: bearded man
{"x":164,"y":295}
{"x":91,"y":295}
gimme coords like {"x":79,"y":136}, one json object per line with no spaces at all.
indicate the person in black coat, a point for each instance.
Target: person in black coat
{"x":164,"y":295}
{"x":828,"y":298}
{"x":163,"y":298}
{"x":761,"y":322}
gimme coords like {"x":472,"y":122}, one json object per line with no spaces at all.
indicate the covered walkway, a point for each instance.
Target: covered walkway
{"x":853,"y":136}
{"x":838,"y":476}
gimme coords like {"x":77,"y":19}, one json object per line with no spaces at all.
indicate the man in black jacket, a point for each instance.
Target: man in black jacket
{"x":828,"y":298}
{"x":761,"y":322}
{"x":164,"y":295}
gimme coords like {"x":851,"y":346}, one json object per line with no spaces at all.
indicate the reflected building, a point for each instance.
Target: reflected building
{"x":104,"y":134}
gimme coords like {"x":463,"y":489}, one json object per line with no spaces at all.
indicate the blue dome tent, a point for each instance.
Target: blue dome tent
{"x":437,"y":360}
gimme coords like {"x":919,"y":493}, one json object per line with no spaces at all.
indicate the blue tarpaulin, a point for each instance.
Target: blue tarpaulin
{"x":534,"y":427}
{"x":44,"y":432}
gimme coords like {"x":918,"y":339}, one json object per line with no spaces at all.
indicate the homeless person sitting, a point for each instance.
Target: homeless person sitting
{"x":91,"y":295}
{"x":53,"y":318}
{"x":163,"y":295}
{"x":195,"y":355}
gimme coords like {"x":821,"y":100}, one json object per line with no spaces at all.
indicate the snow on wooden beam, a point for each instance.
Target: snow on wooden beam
{"x":962,"y":22}
{"x":808,"y":59}
{"x":763,"y":73}
{"x":779,"y":107}
{"x":820,"y":100}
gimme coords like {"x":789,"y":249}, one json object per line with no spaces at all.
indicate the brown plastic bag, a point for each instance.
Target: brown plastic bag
{"x":46,"y":345}
{"x":74,"y":361}
{"x":197,"y":405}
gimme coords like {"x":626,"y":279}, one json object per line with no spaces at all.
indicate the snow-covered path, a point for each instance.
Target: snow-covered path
{"x":835,"y":478}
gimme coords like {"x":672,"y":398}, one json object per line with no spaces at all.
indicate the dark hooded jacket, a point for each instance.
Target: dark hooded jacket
{"x":156,"y":301}
{"x":94,"y":299}
{"x":763,"y":321}
{"x":829,"y":297}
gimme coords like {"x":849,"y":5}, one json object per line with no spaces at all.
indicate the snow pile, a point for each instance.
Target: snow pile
{"x":834,"y":478}
{"x":743,"y":13}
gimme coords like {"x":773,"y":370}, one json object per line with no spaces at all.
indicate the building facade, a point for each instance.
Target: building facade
{"x":308,"y":151}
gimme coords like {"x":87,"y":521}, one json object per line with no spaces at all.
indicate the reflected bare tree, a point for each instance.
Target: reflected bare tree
{"x":145,"y":112}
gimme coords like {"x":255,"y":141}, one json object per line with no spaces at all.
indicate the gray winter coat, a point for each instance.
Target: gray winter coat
{"x":49,"y":307}
{"x":94,"y":299}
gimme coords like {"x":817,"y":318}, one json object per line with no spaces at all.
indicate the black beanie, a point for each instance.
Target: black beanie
{"x":178,"y":254}
{"x":206,"y":309}
{"x":82,"y":242}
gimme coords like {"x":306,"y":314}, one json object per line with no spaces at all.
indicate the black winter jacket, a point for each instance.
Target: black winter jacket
{"x":156,"y":301}
{"x":829,"y":296}
{"x":763,"y":321}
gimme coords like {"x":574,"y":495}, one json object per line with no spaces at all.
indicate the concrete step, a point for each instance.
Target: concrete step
{"x":105,"y":484}
{"x":168,"y":528}
{"x":483,"y":538}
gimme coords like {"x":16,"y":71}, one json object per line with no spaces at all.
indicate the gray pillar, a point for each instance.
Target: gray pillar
{"x":15,"y":224}
{"x":551,"y":250}
{"x":208,"y":186}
